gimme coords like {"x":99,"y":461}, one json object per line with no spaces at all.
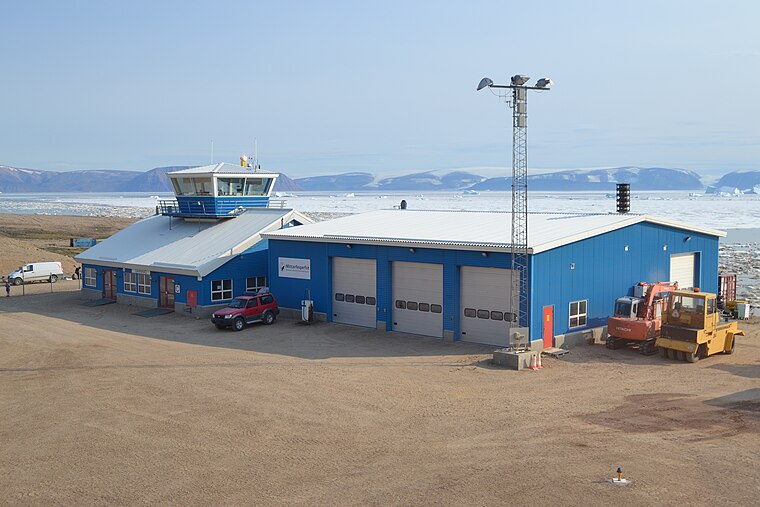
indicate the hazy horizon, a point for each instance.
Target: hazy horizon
{"x":389,"y":88}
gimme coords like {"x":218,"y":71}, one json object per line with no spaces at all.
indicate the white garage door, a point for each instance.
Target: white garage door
{"x":354,"y":295}
{"x":418,"y":298}
{"x":484,"y":313}
{"x":682,"y":270}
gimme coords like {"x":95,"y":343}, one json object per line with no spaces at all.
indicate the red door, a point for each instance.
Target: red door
{"x":166,"y":292}
{"x":192,"y":298}
{"x":548,"y":326}
{"x":109,"y":284}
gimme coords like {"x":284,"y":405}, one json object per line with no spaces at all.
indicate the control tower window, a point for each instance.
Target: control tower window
{"x":257,"y":186}
{"x":229,"y":186}
{"x":192,"y":186}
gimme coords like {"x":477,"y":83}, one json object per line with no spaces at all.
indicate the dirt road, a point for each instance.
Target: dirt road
{"x":99,"y":406}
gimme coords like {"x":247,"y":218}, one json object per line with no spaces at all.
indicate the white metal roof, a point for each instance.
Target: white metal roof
{"x":469,"y":230}
{"x":222,"y":168}
{"x":193,"y":248}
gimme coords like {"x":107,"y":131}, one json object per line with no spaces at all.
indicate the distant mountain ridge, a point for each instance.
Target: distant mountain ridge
{"x":13,"y":179}
{"x":742,"y":181}
{"x":640,"y":178}
{"x":17,"y":180}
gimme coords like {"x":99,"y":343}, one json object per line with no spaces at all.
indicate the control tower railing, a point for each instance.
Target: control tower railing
{"x":204,"y":207}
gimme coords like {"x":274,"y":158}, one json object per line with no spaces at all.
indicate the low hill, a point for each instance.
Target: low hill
{"x":743,"y":180}
{"x":345,"y":181}
{"x":640,"y":178}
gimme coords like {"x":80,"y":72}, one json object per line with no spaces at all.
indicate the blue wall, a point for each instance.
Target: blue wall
{"x":215,"y":206}
{"x":290,"y":291}
{"x":604,"y":271}
{"x":250,"y":263}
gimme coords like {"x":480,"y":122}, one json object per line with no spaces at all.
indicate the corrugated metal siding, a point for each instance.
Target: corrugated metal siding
{"x":241,"y":267}
{"x":187,"y":245}
{"x":290,"y":291}
{"x":604,"y":271}
{"x":249,"y":264}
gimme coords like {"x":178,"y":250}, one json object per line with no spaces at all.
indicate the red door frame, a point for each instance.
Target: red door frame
{"x":164,"y":293}
{"x":548,"y":323}
{"x":111,"y":286}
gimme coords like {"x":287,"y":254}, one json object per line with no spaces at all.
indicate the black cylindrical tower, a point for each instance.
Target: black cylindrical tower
{"x":623,"y":197}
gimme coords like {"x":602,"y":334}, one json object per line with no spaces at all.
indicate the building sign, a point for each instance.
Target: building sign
{"x":294,"y":268}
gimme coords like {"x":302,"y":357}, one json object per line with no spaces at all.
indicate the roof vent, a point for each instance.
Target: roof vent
{"x":623,"y":198}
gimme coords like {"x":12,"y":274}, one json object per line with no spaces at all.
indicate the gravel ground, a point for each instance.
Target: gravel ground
{"x":99,"y":406}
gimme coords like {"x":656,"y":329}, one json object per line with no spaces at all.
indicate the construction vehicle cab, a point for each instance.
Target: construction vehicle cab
{"x":637,"y":319}
{"x":692,"y":328}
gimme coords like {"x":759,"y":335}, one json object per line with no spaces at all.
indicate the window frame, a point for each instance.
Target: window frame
{"x":141,"y":285}
{"x":90,"y":277}
{"x":578,"y":315}
{"x":256,"y":287}
{"x":130,"y":281}
{"x":222,"y":291}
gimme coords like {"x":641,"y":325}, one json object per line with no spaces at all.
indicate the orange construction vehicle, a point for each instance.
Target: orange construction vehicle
{"x":638,"y":318}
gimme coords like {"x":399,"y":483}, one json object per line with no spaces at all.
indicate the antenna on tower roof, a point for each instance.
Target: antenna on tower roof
{"x":256,"y":165}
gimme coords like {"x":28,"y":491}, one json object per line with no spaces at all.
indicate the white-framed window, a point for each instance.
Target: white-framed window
{"x":221,"y":290}
{"x":578,"y":313}
{"x":255,"y":283}
{"x":90,"y":275}
{"x":143,"y":283}
{"x":130,"y":282}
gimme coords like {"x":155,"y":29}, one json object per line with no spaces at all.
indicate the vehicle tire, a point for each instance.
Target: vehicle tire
{"x":664,"y":353}
{"x":269,"y":318}
{"x":733,"y":346}
{"x":53,"y":278}
{"x":644,"y":349}
{"x":611,"y":343}
{"x":680,"y":355}
{"x":238,"y":324}
{"x":18,"y":281}
{"x":219,"y":326}
{"x":692,"y":357}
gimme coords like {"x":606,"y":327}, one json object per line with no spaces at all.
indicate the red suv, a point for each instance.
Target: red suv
{"x":247,"y":309}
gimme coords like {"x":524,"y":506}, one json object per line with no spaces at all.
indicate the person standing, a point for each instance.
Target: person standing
{"x":7,"y":288}
{"x":76,"y":273}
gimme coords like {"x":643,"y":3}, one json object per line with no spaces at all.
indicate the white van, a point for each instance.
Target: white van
{"x":39,"y":271}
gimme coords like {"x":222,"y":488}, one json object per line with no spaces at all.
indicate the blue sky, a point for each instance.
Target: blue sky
{"x":383,"y":87}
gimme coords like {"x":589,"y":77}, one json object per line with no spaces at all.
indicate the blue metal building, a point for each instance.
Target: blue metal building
{"x":446,"y":274}
{"x":202,"y":250}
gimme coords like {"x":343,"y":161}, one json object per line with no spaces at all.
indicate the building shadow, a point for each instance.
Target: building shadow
{"x":742,"y":370}
{"x":287,"y":337}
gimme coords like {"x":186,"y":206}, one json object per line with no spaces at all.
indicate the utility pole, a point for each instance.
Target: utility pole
{"x":519,"y":246}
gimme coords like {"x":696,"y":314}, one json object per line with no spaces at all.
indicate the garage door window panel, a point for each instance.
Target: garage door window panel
{"x":371,"y":301}
{"x":424,"y":307}
{"x":401,"y":305}
{"x":484,"y":314}
{"x":411,"y":305}
{"x":340,"y":297}
{"x":470,"y":312}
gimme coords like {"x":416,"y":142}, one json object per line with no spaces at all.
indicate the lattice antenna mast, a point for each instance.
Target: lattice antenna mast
{"x":519,"y":246}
